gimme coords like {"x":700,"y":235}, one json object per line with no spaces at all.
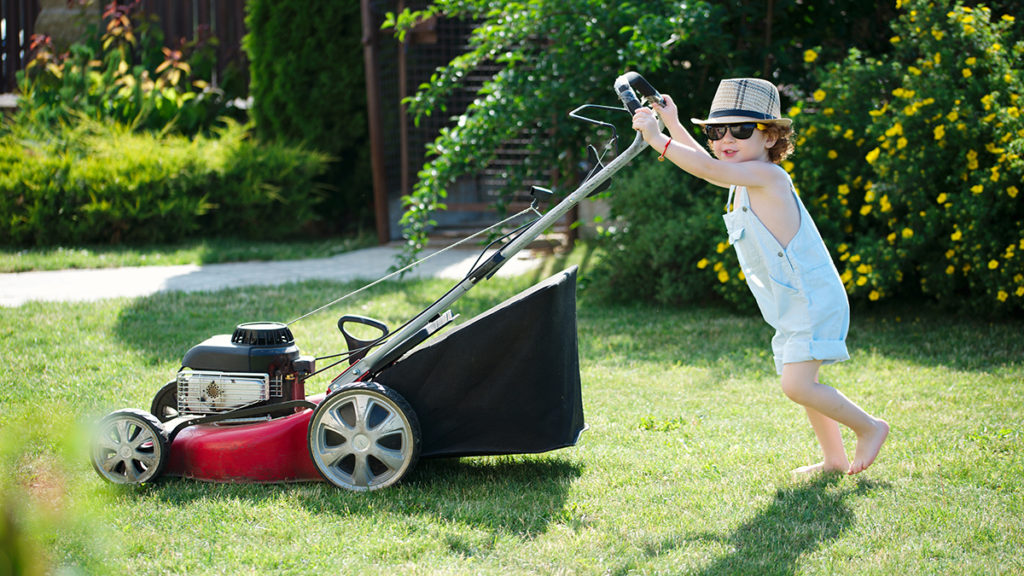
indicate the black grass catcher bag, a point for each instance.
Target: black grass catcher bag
{"x":506,"y":382}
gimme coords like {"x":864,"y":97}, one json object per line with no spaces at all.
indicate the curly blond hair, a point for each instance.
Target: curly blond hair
{"x":784,"y":136}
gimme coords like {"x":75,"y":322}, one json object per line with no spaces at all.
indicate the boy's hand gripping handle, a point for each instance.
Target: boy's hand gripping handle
{"x":627,"y":85}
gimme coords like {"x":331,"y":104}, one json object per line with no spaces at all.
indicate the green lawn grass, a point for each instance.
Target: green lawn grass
{"x":684,"y":468}
{"x":211,"y":251}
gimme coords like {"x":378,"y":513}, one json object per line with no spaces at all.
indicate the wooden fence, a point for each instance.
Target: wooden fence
{"x":223,"y":19}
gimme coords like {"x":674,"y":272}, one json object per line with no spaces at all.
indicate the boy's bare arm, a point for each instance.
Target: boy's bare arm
{"x":689,"y":155}
{"x":670,"y":117}
{"x":680,"y":135}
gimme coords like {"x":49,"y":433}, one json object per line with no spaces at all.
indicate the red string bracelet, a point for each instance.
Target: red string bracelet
{"x":662,"y":157}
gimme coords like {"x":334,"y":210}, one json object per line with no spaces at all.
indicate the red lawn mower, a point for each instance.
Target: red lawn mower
{"x":506,"y":382}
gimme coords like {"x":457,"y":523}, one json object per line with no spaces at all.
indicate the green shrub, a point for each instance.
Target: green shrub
{"x":103,"y":183}
{"x":124,"y":140}
{"x":670,"y":223}
{"x":308,"y":86}
{"x":263,"y":190}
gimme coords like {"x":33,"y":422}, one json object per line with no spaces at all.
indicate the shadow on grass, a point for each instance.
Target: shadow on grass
{"x":518,"y":495}
{"x":798,"y":521}
{"x":715,"y":336}
{"x":165,"y":325}
{"x":515,"y":494}
{"x":926,"y":335}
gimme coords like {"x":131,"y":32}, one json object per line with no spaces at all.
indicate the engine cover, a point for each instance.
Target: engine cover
{"x":255,"y":347}
{"x":258,"y":363}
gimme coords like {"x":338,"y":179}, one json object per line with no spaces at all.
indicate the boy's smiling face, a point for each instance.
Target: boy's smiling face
{"x":732,"y":149}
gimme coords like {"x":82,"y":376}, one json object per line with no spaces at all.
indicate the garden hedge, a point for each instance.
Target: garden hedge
{"x":103,"y":183}
{"x":122,"y":140}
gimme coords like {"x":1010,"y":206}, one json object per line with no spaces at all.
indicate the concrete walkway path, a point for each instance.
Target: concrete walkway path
{"x":367,"y":265}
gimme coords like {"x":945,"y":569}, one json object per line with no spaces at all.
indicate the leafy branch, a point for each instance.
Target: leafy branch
{"x":553,"y":54}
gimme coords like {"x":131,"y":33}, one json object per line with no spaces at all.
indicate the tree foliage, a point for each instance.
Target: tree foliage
{"x":556,"y":54}
{"x":907,"y":114}
{"x":541,"y":47}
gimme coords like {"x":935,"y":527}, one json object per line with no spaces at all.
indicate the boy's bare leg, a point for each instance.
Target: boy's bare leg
{"x":799,"y":382}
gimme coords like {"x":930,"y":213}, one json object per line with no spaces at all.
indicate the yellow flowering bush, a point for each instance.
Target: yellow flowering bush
{"x":913,"y":164}
{"x":911,"y":168}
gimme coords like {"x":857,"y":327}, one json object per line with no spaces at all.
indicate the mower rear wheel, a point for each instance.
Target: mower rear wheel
{"x":364,"y":437}
{"x":165,"y":403}
{"x":130,"y":447}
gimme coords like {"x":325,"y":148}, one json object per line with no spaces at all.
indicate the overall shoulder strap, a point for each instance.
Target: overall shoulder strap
{"x":737,"y":196}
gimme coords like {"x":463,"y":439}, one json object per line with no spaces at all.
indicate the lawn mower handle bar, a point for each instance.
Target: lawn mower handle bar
{"x":627,"y":85}
{"x":390,"y":350}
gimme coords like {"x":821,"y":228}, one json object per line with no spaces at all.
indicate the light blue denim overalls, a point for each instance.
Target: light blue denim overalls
{"x":797,"y":287}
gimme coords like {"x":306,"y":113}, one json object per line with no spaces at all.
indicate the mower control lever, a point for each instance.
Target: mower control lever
{"x":439,"y":322}
{"x":594,"y":160}
{"x":357,"y":346}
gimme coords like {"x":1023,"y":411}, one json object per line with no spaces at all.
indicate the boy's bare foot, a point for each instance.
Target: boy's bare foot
{"x":819,"y":468}
{"x":868,"y":447}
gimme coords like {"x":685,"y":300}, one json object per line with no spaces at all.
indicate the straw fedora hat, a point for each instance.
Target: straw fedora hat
{"x":744,"y":100}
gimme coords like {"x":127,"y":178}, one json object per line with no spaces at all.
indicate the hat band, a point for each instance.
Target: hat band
{"x":744,"y":113}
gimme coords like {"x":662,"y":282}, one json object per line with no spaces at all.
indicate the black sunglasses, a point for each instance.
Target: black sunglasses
{"x":739,"y":131}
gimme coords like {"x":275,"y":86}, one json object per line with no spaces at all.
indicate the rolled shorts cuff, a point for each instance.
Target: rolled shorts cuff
{"x":828,"y":351}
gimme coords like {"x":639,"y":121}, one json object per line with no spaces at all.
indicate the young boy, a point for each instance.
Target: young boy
{"x":781,"y":253}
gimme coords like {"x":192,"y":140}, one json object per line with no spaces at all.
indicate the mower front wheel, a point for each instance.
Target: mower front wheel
{"x":364,"y":437}
{"x":130,"y":447}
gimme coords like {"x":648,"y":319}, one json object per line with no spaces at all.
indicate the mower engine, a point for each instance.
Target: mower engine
{"x":258,"y":364}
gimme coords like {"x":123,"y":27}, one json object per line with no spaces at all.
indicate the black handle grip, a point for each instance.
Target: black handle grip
{"x":627,"y":86}
{"x":628,"y":97}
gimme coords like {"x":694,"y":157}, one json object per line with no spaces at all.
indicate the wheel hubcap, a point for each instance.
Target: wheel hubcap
{"x":127,"y":451}
{"x":361,"y":441}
